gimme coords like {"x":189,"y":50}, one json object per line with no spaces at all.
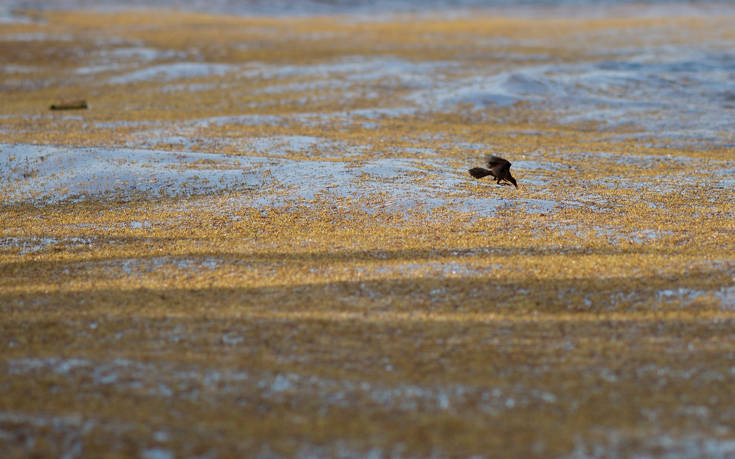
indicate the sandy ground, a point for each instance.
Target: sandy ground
{"x":260,"y":239}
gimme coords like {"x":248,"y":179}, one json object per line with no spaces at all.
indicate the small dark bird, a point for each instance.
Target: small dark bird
{"x":499,"y":168}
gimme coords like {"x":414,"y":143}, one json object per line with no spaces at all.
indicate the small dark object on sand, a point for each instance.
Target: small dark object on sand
{"x":498,"y":167}
{"x":69,"y":105}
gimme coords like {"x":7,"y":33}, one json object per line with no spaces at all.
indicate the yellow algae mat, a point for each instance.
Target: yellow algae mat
{"x":260,"y":238}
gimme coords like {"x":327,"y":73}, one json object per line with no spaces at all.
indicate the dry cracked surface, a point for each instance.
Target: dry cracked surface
{"x":260,"y":240}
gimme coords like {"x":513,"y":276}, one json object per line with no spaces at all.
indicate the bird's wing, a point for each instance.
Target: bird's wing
{"x":493,"y":161}
{"x":497,"y":164}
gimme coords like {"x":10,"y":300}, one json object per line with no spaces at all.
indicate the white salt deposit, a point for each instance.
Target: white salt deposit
{"x":175,"y":71}
{"x":356,"y":68}
{"x":48,"y":174}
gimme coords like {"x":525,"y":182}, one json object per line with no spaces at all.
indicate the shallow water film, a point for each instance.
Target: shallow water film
{"x":260,"y":238}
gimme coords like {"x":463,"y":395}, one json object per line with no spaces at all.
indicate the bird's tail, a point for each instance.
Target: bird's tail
{"x":479,"y":172}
